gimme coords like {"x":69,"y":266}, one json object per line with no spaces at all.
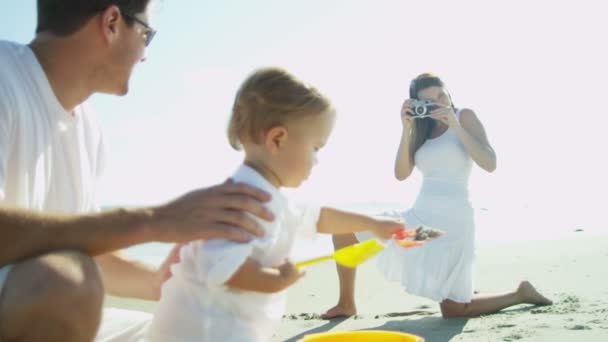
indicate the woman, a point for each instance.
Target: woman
{"x":443,"y":144}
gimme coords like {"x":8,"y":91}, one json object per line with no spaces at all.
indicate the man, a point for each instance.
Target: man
{"x":50,"y":156}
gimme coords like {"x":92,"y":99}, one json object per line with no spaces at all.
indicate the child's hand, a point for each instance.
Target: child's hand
{"x":418,"y":237}
{"x":384,"y":229}
{"x":289,"y":273}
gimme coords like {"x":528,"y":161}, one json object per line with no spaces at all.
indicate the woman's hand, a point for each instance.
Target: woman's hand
{"x":407,"y":118}
{"x":446,"y":115}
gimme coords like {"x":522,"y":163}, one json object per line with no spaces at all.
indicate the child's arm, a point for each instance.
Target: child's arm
{"x":251,"y":276}
{"x":334,"y":221}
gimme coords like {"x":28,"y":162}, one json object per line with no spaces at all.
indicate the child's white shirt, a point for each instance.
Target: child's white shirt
{"x":196,"y":305}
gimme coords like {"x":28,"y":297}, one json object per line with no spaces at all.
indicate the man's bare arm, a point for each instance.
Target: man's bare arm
{"x":215,"y":212}
{"x":26,"y":233}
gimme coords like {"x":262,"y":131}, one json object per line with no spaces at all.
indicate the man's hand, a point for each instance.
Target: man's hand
{"x":164,"y":271}
{"x":218,"y":212}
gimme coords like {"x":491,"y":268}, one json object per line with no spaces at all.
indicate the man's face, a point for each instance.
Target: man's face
{"x":133,"y":32}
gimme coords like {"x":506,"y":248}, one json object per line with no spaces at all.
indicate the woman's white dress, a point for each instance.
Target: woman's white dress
{"x":441,"y":269}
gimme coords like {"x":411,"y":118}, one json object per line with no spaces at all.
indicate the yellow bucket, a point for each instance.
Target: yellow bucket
{"x":362,"y":336}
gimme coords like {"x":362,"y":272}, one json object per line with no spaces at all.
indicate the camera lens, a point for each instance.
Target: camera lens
{"x":420,"y":110}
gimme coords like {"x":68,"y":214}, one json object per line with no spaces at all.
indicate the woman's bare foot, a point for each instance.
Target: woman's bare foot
{"x":528,"y":294}
{"x":340,"y":311}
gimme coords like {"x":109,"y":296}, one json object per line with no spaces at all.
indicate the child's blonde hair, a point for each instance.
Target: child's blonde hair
{"x":271,"y":97}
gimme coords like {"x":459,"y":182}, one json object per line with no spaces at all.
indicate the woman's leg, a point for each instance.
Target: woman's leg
{"x":346,"y":303}
{"x":487,"y":304}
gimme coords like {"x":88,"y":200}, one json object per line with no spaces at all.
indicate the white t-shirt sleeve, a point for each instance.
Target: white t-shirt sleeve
{"x":307,"y":220}
{"x":5,"y":139}
{"x":219,"y":260}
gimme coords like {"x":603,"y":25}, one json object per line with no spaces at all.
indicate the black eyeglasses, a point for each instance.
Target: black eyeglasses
{"x":150,"y":32}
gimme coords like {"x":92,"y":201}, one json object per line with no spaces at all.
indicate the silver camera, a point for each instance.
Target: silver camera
{"x":423,"y":108}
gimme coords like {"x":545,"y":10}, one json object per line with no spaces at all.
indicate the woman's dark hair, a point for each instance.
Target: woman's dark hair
{"x":64,"y":17}
{"x":422,"y":128}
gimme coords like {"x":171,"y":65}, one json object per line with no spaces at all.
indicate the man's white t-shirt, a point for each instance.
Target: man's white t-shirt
{"x":50,"y":159}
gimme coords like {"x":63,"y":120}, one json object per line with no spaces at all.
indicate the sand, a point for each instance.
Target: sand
{"x":572,"y":271}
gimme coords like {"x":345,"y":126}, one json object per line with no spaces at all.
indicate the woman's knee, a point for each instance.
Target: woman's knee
{"x":343,"y":240}
{"x":65,"y":286}
{"x":451,"y":309}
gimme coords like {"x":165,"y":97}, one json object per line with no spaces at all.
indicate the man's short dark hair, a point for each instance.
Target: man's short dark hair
{"x":64,"y":17}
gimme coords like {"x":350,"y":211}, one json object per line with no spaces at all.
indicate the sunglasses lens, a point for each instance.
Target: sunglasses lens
{"x":149,"y":37}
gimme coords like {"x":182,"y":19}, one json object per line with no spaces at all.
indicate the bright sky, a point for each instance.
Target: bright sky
{"x":533,"y":71}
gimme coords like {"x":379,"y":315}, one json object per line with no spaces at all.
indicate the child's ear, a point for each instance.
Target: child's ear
{"x":275,"y":138}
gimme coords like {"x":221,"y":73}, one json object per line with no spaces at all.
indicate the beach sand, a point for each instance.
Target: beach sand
{"x":571,"y":271}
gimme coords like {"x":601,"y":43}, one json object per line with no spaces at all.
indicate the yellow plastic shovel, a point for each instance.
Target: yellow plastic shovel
{"x":350,"y":256}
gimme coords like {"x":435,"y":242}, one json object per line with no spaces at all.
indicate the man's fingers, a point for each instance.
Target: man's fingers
{"x":237,"y":218}
{"x":231,"y":188}
{"x":241,"y":196}
{"x":248,"y":204}
{"x":226,"y":231}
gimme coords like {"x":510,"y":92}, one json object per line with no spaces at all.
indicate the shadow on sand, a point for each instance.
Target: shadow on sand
{"x":432,"y":329}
